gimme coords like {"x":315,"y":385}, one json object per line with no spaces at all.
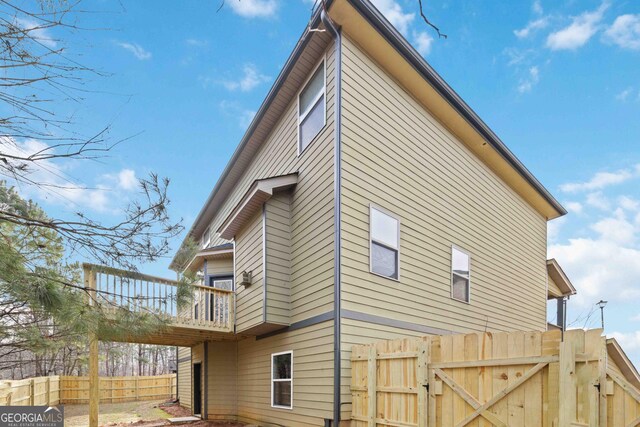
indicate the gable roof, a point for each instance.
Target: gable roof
{"x":562,"y":282}
{"x":292,"y":73}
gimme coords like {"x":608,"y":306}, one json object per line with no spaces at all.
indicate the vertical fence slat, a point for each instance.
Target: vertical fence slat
{"x":372,"y":373}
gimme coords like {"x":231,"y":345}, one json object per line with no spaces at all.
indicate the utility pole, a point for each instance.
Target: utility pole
{"x":602,"y":304}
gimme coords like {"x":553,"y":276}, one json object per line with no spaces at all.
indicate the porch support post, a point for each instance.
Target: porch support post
{"x":94,"y":393}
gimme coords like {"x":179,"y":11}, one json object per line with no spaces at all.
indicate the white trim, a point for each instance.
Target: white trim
{"x":301,"y":117}
{"x":207,"y":233}
{"x":281,"y":380}
{"x":464,"y":251}
{"x":371,"y":240}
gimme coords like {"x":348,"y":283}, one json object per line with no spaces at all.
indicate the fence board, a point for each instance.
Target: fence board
{"x":507,"y":378}
{"x":56,"y":390}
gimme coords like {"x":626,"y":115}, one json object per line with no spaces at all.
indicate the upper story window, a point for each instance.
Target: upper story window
{"x":312,"y":112}
{"x":385,"y":243}
{"x":206,"y":237}
{"x":460,"y":274}
{"x":282,"y":380}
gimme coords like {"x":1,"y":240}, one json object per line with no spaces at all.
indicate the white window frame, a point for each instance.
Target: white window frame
{"x":302,"y":116}
{"x":273,"y":355}
{"x":464,"y":251}
{"x":207,"y":235}
{"x":372,"y":240}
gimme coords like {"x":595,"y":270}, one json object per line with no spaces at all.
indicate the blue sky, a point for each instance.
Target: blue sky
{"x":558,"y":81}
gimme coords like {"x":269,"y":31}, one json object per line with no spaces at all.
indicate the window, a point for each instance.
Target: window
{"x":460,"y":274}
{"x":282,"y":380}
{"x":206,"y":238}
{"x":311,"y":109}
{"x":385,"y":244}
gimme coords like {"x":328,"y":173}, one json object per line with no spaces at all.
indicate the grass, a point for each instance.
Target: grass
{"x":78,"y":415}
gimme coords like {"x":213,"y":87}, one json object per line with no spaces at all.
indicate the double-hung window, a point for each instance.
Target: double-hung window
{"x":460,"y":274}
{"x":206,"y":237}
{"x":282,"y":380}
{"x":385,"y":243}
{"x":312,"y":111}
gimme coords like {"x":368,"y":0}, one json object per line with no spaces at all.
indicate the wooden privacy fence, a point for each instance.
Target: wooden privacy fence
{"x":56,"y":390}
{"x":30,"y":392}
{"x":492,"y":379}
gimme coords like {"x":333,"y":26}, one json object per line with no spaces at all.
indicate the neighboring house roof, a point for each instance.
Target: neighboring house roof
{"x":293,"y":73}
{"x":617,"y":354}
{"x":563,"y":284}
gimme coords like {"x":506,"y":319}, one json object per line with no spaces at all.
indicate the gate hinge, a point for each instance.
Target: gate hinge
{"x":426,"y":385}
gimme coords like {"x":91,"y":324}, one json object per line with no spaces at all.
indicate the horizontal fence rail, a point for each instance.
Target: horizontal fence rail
{"x":492,"y":379}
{"x":205,"y":308}
{"x":55,"y":390}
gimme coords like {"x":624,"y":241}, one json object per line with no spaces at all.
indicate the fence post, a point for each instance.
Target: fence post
{"x":137,"y":397}
{"x":48,"y":388}
{"x":372,"y":373}
{"x":32,"y":393}
{"x":602,"y":366}
{"x":567,"y":383}
{"x":423,"y":382}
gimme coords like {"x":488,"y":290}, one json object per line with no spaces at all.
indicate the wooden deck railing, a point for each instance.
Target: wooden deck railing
{"x":206,"y":308}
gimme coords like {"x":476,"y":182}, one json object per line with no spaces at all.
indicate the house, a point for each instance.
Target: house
{"x":366,"y":201}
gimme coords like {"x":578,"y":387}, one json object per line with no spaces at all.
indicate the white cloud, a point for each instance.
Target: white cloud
{"x":37,"y":32}
{"x":601,"y":180}
{"x":553,"y":228}
{"x":625,"y":32}
{"x":127,"y":179}
{"x":137,"y":50}
{"x":250,"y":79}
{"x":536,"y":7}
{"x":243,"y":115}
{"x":532,"y":79}
{"x":598,"y":200}
{"x":49,"y":180}
{"x":579,"y":32}
{"x":197,"y":42}
{"x":600,"y":269}
{"x":616,"y":229}
{"x":635,"y":318}
{"x":423,"y":42}
{"x":628,"y":203}
{"x":395,"y":14}
{"x":630,"y":341}
{"x":531,"y":27}
{"x":254,"y":8}
{"x":624,"y":95}
{"x":575,"y":207}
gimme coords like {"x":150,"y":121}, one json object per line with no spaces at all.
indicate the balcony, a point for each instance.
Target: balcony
{"x":207,"y":315}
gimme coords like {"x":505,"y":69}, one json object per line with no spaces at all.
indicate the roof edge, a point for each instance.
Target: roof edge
{"x":275,"y":88}
{"x":382,"y":25}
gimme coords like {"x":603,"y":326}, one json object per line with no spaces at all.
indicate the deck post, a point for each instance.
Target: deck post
{"x":94,"y":396}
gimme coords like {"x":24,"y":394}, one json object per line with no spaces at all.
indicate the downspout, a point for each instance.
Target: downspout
{"x":337,"y":185}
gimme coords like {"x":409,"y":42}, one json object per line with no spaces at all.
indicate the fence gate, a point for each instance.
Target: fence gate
{"x":491,"y":379}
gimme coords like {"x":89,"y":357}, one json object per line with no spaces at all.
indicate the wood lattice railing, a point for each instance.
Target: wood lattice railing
{"x":206,"y":308}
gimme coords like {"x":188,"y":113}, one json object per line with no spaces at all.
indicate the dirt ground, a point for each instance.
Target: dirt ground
{"x":134,"y":414}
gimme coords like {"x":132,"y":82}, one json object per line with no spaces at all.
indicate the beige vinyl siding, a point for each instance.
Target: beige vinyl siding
{"x":184,"y":376}
{"x":311,"y":203}
{"x":554,"y":290}
{"x":218,"y":267}
{"x":249,"y":308}
{"x":398,"y":156}
{"x":312,"y":377}
{"x":222,"y":380}
{"x":197,"y":355}
{"x":278,"y":258}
